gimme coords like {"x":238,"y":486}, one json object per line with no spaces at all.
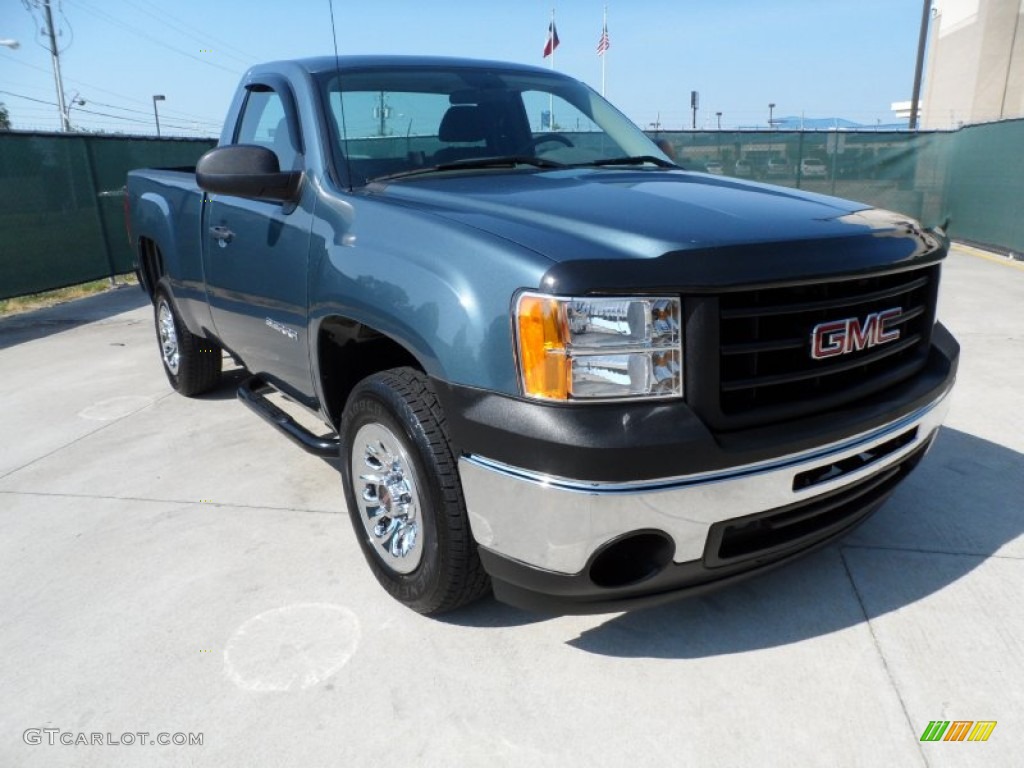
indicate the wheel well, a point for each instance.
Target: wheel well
{"x":348,"y":352}
{"x":151,"y":264}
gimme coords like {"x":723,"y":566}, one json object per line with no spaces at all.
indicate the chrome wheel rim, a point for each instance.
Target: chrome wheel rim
{"x":168,"y":338}
{"x":387,"y":494}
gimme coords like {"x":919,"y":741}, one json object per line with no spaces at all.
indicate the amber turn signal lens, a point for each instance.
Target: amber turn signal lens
{"x":542,"y":337}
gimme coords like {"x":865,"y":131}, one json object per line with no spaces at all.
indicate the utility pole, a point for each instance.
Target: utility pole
{"x":55,"y":57}
{"x":383,"y":113}
{"x":694,"y":104}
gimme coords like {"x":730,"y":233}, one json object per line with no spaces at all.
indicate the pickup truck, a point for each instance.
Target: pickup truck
{"x":549,"y":362}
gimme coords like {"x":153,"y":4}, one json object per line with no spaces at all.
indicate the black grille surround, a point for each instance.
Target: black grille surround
{"x":748,"y":351}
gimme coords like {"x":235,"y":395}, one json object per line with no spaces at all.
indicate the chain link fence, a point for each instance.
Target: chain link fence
{"x":62,"y":222}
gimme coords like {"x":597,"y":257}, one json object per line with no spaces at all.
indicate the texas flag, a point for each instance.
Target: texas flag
{"x":552,"y":43}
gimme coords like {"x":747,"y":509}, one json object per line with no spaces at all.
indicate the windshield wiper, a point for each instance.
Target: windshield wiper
{"x":471,"y":163}
{"x":632,"y":160}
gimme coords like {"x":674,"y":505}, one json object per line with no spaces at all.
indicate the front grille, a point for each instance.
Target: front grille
{"x":764,"y":343}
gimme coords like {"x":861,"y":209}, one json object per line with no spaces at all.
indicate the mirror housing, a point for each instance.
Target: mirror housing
{"x":247,"y":170}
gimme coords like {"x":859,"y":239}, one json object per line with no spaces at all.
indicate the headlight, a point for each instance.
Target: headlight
{"x":599,"y":348}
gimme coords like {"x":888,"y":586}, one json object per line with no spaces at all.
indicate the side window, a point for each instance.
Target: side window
{"x":264,"y":122}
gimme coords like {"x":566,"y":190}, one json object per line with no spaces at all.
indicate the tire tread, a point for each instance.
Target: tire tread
{"x":200,"y":360}
{"x":465,"y":579}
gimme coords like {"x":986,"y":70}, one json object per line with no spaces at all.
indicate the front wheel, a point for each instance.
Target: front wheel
{"x":402,"y":486}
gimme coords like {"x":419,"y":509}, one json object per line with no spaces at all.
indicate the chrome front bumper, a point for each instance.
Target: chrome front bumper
{"x":556,"y":524}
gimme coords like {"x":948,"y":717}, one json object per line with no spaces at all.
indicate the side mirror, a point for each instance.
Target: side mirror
{"x":247,"y":170}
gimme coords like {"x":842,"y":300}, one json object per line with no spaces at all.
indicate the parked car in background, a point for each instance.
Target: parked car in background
{"x":715,"y":167}
{"x":777,"y":168}
{"x":812,"y":167}
{"x":743,"y":169}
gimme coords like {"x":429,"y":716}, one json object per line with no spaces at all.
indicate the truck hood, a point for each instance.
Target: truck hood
{"x":664,"y":225}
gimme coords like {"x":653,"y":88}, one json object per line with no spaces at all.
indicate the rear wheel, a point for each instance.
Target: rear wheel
{"x":402,"y":486}
{"x":192,"y":363}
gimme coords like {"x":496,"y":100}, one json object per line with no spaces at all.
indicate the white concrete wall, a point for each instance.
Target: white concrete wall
{"x":975,"y":70}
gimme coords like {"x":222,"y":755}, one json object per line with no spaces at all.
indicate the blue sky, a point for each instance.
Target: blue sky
{"x":819,"y":58}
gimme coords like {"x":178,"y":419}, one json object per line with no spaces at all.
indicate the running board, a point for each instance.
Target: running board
{"x":253,"y":392}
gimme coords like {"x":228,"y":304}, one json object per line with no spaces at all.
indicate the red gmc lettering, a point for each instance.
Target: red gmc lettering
{"x":840,"y":337}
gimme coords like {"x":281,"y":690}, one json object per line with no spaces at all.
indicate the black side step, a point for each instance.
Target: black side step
{"x":253,"y":393}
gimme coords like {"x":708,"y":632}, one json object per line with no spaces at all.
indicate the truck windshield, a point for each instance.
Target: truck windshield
{"x":394,"y":121}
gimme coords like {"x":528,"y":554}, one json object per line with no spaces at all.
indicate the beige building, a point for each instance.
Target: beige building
{"x":975,"y":71}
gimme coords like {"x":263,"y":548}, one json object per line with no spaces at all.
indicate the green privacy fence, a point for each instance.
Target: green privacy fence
{"x":61,"y":219}
{"x":61,"y":208}
{"x":971,"y":180}
{"x":984,"y":185}
{"x":899,"y":170}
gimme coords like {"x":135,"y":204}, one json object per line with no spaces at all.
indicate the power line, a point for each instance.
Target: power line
{"x":29,"y":98}
{"x":129,"y":119}
{"x":183,"y":28}
{"x":71,"y":30}
{"x":249,"y":57}
{"x":39,"y":24}
{"x":162,"y":111}
{"x":103,"y":16}
{"x":185,"y":115}
{"x":171,"y":124}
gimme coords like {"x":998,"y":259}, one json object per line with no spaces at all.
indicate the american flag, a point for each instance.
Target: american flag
{"x":552,"y":43}
{"x":604,"y":44}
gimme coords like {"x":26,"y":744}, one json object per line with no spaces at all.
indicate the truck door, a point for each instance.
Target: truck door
{"x":255,"y":253}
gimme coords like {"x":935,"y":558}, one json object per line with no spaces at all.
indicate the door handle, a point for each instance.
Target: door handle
{"x":222,"y":235}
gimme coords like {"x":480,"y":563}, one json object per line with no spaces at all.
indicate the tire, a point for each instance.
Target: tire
{"x":402,"y":487}
{"x":192,"y":363}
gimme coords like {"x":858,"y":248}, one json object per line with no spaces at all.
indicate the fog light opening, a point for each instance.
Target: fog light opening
{"x":631,"y":559}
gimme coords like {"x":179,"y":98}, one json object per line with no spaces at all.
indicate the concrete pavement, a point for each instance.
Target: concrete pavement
{"x":176,"y":566}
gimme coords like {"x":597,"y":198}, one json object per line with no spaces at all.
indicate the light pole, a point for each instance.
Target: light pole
{"x":771,"y":112}
{"x":76,"y":101}
{"x":719,"y":116}
{"x":156,"y":115}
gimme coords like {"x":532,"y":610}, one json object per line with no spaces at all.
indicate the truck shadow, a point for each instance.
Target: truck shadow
{"x":956,"y":510}
{"x":231,"y":378}
{"x":40,"y":323}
